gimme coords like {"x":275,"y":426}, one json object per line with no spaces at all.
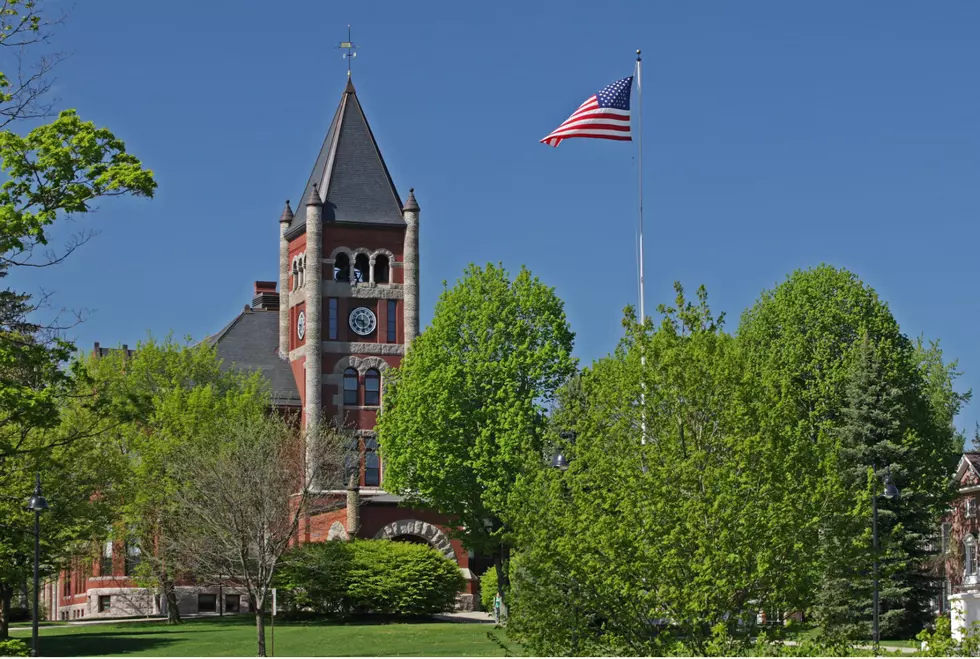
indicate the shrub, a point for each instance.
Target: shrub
{"x":488,"y":589}
{"x":13,"y":647}
{"x":369,"y":576}
{"x":314,"y":577}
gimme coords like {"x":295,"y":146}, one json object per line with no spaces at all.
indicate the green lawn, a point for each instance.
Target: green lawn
{"x":235,"y":636}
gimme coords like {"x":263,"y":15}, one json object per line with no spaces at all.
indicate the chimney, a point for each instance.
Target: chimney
{"x":353,"y":506}
{"x":266,"y":298}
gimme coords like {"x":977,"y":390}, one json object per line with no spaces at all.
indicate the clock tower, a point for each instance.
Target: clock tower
{"x":348,"y":261}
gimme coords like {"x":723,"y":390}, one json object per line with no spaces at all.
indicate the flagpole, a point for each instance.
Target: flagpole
{"x":639,"y":139}
{"x":639,"y":160}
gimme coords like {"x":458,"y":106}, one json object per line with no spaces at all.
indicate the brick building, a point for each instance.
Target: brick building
{"x":346,"y":310}
{"x":960,"y":537}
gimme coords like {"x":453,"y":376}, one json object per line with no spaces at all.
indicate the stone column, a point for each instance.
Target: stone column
{"x":314,"y":300}
{"x":353,"y":505}
{"x":410,"y":212}
{"x":284,"y":221}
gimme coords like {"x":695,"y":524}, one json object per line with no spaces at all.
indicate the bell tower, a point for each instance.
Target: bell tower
{"x":349,"y":281}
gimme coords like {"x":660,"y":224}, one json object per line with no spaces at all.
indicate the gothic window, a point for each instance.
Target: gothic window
{"x":295,"y":275}
{"x":341,"y":267}
{"x":372,"y":463}
{"x":392,"y":321}
{"x":381,"y":269}
{"x":332,"y":319}
{"x":302,"y":271}
{"x":372,"y":387}
{"x":361,"y":268}
{"x":350,"y":386}
{"x":969,"y":556}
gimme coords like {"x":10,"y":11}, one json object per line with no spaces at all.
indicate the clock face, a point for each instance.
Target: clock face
{"x":301,"y":325}
{"x":362,"y":321}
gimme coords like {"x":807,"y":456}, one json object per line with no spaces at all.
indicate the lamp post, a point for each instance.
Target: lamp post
{"x":560,"y":462}
{"x":891,"y":492}
{"x":38,"y":504}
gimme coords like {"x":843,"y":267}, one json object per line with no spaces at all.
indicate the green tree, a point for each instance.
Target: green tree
{"x":799,"y":345}
{"x":870,"y":434}
{"x":168,"y":401}
{"x":465,"y":412}
{"x":78,"y":478}
{"x":666,"y":523}
{"x":53,"y":171}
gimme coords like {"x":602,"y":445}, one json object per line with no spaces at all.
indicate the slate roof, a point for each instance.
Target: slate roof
{"x":352,"y":177}
{"x":251,"y":342}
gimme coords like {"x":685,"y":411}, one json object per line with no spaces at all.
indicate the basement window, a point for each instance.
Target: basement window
{"x":207,"y":603}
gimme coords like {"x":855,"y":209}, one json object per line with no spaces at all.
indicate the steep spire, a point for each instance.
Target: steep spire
{"x":287,"y":214}
{"x":353,"y":180}
{"x":410,"y":203}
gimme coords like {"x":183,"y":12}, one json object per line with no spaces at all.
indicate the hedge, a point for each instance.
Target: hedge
{"x":488,"y":589}
{"x":369,"y":576}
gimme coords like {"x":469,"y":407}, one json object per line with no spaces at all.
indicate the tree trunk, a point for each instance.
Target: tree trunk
{"x":503,"y":582}
{"x":6,"y":594}
{"x":260,"y":630}
{"x":170,"y":593}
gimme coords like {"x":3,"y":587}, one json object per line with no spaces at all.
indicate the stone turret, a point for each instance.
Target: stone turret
{"x":410,"y":212}
{"x":314,"y":300}
{"x":284,"y":221}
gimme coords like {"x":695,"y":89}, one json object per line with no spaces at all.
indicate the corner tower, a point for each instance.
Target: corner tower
{"x":347,"y":324}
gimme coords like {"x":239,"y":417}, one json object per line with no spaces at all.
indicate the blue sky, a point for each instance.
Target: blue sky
{"x":776,"y":136}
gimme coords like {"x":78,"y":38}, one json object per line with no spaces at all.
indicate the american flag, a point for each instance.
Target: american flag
{"x":605,"y":116}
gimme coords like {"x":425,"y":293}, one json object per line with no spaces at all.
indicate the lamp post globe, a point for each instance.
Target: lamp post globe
{"x":37,"y":504}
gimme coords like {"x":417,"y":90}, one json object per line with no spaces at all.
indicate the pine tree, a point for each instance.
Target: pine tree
{"x":872,"y":435}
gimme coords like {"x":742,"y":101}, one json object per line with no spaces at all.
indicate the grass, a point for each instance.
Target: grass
{"x":235,"y":636}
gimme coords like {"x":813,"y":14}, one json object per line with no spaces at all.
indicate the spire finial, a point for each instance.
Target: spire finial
{"x":351,"y":47}
{"x":410,"y":204}
{"x":287,"y":213}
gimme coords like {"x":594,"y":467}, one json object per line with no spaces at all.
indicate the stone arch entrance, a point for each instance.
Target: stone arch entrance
{"x":429,"y":533}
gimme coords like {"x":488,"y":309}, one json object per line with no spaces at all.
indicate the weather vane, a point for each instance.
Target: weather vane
{"x":350,"y":54}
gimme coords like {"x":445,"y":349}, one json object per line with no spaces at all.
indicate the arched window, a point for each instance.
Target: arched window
{"x":350,"y":386}
{"x":295,"y":275}
{"x":341,"y":267}
{"x":969,"y":556}
{"x":362,"y":267}
{"x":302,"y":271}
{"x":372,"y":387}
{"x":381,"y":269}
